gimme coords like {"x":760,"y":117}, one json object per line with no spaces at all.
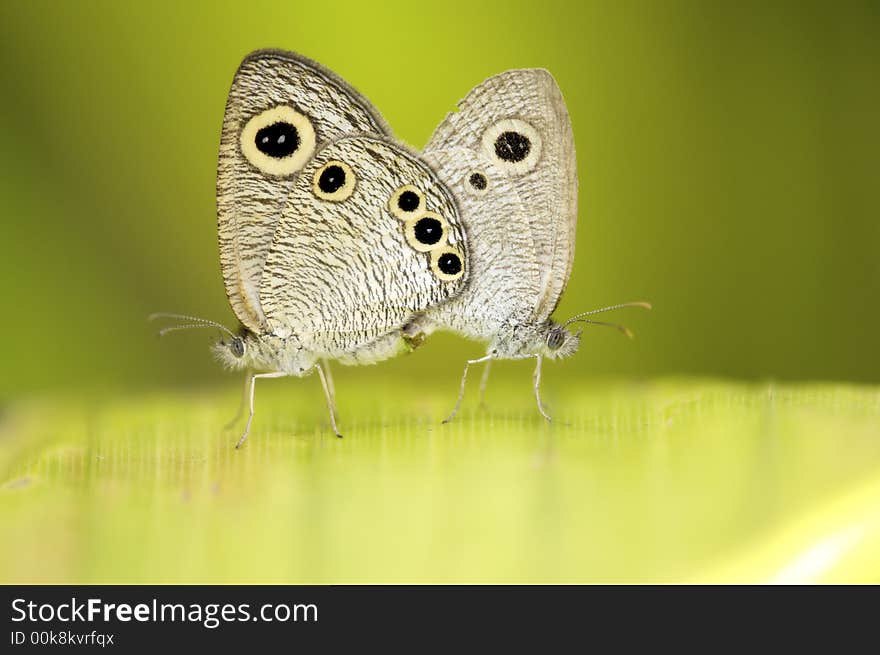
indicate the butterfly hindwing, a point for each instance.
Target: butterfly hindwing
{"x":368,"y":238}
{"x":281,"y":109}
{"x":504,"y":270}
{"x":518,"y":122}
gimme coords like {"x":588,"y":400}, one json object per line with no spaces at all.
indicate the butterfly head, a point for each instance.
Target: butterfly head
{"x":233,"y":351}
{"x":263,"y":351}
{"x":562,"y":343}
{"x":558,"y":342}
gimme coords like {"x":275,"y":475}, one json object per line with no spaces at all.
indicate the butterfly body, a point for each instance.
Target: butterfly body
{"x":268,"y":352}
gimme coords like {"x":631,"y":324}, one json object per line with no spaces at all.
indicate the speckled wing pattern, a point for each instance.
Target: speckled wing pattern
{"x":504,"y":270}
{"x":339,"y":274}
{"x":250,"y":202}
{"x":516,"y":100}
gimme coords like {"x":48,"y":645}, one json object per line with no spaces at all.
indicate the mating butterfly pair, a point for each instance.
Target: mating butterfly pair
{"x":337,"y":242}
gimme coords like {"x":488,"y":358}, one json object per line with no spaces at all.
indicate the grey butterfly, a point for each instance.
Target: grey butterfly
{"x":508,"y":156}
{"x":333,"y":237}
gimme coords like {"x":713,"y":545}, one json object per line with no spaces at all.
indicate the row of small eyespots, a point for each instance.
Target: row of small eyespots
{"x":426,"y":231}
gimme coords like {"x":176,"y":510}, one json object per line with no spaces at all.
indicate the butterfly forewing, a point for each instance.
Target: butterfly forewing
{"x":281,"y":109}
{"x":518,"y":121}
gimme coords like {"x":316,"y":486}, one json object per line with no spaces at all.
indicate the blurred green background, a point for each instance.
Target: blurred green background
{"x":729,"y":173}
{"x":728,"y":166}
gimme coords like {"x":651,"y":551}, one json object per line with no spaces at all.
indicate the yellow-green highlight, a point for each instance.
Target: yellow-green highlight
{"x":669,"y":481}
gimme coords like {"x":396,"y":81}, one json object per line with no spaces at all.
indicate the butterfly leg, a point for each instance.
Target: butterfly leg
{"x":242,"y":402}
{"x":483,"y":382}
{"x":253,"y":379}
{"x":461,"y":387}
{"x":330,"y":385}
{"x":536,"y":379}
{"x":329,"y":394}
{"x":536,"y":382}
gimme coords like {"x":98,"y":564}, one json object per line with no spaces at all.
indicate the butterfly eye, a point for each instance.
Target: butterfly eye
{"x":555,"y":339}
{"x":236,"y":346}
{"x":513,"y":144}
{"x":334,"y":181}
{"x":477,"y":183}
{"x":426,"y":232}
{"x":406,"y":202}
{"x":446,"y":264}
{"x":278,"y":141}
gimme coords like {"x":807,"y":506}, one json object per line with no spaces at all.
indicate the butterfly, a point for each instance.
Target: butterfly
{"x":508,"y":156}
{"x":337,"y":242}
{"x":332,"y":235}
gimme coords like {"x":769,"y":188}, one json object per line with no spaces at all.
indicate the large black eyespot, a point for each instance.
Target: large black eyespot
{"x":408,"y":201}
{"x":446,"y":264}
{"x":512,"y":146}
{"x":277,"y":140}
{"x":332,"y":178}
{"x":236,"y":346}
{"x":449,"y":263}
{"x":424,"y":232}
{"x":428,"y":230}
{"x":334,"y":181}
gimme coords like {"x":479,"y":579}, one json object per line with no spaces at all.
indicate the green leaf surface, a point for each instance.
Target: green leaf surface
{"x":672,"y":480}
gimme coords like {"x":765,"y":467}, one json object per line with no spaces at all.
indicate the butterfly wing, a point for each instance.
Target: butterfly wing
{"x":369,"y":237}
{"x":281,"y":109}
{"x":518,"y":122}
{"x":505,"y":272}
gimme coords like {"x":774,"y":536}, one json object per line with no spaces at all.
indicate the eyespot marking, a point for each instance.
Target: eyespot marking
{"x":278,"y":141}
{"x":334,"y":181}
{"x":512,"y":144}
{"x":426,"y":232}
{"x":447,"y":264}
{"x":478,"y":181}
{"x":406,"y":202}
{"x":332,"y":178}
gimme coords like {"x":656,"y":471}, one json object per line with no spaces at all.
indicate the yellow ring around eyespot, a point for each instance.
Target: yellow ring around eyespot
{"x":470,"y":188}
{"x":521,"y":127}
{"x":410,"y":232}
{"x":342,"y":193}
{"x":435,"y":258}
{"x":278,"y":166}
{"x":395,"y":209}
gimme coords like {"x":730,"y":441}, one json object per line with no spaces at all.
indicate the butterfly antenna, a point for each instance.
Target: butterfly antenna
{"x":616,"y":326}
{"x":191,"y":322}
{"x":581,"y":318}
{"x":582,"y":315}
